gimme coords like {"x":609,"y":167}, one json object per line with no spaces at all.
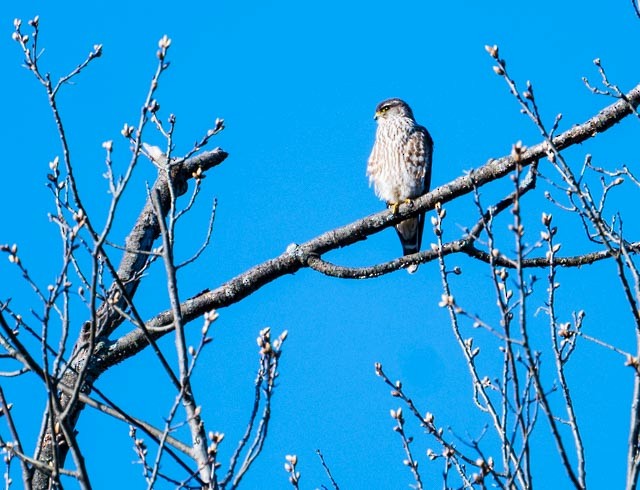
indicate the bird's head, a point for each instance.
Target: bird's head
{"x":392,"y":108}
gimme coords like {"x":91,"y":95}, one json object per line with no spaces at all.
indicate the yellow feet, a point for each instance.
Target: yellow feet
{"x":395,"y":205}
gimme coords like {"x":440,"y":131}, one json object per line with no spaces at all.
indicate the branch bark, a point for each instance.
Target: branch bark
{"x":302,"y":255}
{"x":139,"y":241}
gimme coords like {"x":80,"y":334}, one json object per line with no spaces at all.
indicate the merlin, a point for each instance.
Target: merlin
{"x":400,"y":166}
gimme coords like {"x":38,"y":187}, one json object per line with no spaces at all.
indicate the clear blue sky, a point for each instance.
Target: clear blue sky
{"x":297,"y":84}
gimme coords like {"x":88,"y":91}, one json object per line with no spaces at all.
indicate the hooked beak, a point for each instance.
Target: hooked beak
{"x":376,"y":115}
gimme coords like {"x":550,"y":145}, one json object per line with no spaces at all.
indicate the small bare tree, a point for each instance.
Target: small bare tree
{"x":513,"y":399}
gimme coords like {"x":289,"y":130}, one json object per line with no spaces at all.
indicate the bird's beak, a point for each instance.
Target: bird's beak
{"x":376,"y":115}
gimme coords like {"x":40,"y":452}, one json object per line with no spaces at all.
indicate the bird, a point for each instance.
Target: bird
{"x":399,"y":167}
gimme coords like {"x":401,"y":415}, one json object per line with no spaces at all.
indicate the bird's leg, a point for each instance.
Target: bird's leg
{"x":393,"y":206}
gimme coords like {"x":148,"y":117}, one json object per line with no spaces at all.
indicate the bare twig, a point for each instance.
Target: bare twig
{"x":327,"y":470}
{"x":290,"y":468}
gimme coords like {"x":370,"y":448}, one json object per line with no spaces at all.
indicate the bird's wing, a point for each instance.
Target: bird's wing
{"x":419,"y":151}
{"x":418,"y":154}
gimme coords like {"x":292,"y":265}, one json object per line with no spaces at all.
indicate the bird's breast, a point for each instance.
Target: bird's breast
{"x":391,"y":170}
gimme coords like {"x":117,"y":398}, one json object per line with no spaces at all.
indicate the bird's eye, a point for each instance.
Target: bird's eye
{"x":384,"y":109}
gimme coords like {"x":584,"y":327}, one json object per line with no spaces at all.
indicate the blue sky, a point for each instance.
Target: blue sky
{"x":297,"y":84}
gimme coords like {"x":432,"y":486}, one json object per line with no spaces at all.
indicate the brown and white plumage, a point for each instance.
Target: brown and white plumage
{"x":400,"y":166}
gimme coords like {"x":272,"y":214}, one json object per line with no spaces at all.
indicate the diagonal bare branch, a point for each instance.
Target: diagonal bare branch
{"x":299,"y":256}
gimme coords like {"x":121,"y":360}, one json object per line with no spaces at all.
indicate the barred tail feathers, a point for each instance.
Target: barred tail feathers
{"x":410,"y":234}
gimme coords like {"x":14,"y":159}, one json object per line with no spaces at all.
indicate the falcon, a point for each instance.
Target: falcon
{"x":400,"y":166}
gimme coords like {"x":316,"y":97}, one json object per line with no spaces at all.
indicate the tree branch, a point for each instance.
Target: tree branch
{"x":300,"y":256}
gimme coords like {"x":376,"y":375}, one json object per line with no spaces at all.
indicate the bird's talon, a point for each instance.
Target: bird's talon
{"x":394,"y":207}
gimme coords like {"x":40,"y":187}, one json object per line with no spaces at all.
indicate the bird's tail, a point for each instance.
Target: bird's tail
{"x":410,"y":233}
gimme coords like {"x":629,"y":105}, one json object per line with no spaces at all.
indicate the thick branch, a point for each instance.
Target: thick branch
{"x":146,"y":231}
{"x":299,"y":256}
{"x":141,"y":239}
